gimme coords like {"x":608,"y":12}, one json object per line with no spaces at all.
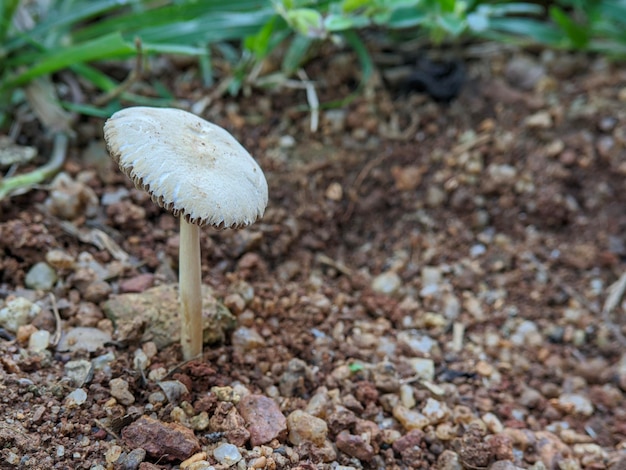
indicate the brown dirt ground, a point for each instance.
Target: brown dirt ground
{"x":514,"y":195}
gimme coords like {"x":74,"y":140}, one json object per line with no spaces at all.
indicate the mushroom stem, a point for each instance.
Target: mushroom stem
{"x":189,"y":279}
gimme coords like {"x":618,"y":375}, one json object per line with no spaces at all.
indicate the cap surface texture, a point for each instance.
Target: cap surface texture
{"x":190,"y":167}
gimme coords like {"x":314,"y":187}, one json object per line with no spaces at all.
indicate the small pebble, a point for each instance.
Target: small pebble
{"x":575,"y":404}
{"x":41,"y":276}
{"x":227,"y":454}
{"x":449,"y":460}
{"x":18,"y":312}
{"x":83,"y":338}
{"x":113,"y":454}
{"x":246,"y":339}
{"x":199,"y":422}
{"x":539,"y":120}
{"x":418,"y":343}
{"x":77,"y":397}
{"x":263,"y":418}
{"x":493,"y":423}
{"x":119,"y":390}
{"x":132,"y":460}
{"x":423,"y":368}
{"x":407,"y":397}
{"x":200,"y":456}
{"x":410,"y":419}
{"x":386,"y":283}
{"x":60,"y":259}
{"x":304,"y":427}
{"x":39,"y":341}
{"x":435,"y":411}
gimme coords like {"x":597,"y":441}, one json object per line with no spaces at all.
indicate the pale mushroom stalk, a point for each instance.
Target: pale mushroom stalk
{"x":197,"y":171}
{"x":189,"y":279}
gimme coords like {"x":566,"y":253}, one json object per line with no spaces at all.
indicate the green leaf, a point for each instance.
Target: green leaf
{"x":259,"y":43}
{"x":296,"y":54}
{"x":577,"y":34}
{"x":306,"y":21}
{"x":452,"y":24}
{"x":107,"y":47}
{"x":334,"y":23}
{"x":447,"y":6}
{"x":407,"y":18}
{"x":505,"y":9}
{"x":7,"y":10}
{"x":523,"y":27}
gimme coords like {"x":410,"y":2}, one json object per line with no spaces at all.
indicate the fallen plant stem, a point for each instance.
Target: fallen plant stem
{"x":134,"y":75}
{"x":615,"y":293}
{"x":56,"y":337}
{"x":23,"y":183}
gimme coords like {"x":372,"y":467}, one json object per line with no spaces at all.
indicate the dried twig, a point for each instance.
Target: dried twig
{"x":615,"y":293}
{"x":133,"y":77}
{"x":56,"y":337}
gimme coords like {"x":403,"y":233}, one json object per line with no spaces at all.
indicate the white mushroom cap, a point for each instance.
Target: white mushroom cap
{"x":190,"y":167}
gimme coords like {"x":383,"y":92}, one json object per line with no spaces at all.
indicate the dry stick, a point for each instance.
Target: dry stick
{"x":134,"y":76}
{"x":56,"y":337}
{"x":311,"y":96}
{"x":22,"y":183}
{"x":616,"y":291}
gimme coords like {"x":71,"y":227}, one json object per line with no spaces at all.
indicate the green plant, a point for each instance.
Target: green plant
{"x":39,"y":39}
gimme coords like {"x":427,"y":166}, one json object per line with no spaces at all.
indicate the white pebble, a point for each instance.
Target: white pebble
{"x":418,"y":343}
{"x":407,"y":398}
{"x":77,"y":397}
{"x":477,"y":250}
{"x":39,"y":341}
{"x":493,"y":423}
{"x":227,"y":454}
{"x":575,"y":404}
{"x":435,"y":411}
{"x":386,"y":283}
{"x":18,"y":312}
{"x":423,"y":368}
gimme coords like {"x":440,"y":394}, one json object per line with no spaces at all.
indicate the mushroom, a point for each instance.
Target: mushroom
{"x":197,"y":171}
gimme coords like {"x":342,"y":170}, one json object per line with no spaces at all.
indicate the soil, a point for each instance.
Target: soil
{"x":430,"y":286}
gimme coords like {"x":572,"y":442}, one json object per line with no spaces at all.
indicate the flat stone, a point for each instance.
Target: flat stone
{"x":83,"y":338}
{"x":166,"y":441}
{"x":263,"y":417}
{"x":304,"y":427}
{"x":152,"y":315}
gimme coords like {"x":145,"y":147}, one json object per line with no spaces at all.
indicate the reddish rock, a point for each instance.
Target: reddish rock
{"x":264,"y":419}
{"x":501,"y":446}
{"x":340,"y":418}
{"x":137,"y":284}
{"x":408,"y":441}
{"x":354,"y":446}
{"x":409,"y":448}
{"x":168,"y":441}
{"x":366,"y":392}
{"x":148,"y":466}
{"x":227,"y":419}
